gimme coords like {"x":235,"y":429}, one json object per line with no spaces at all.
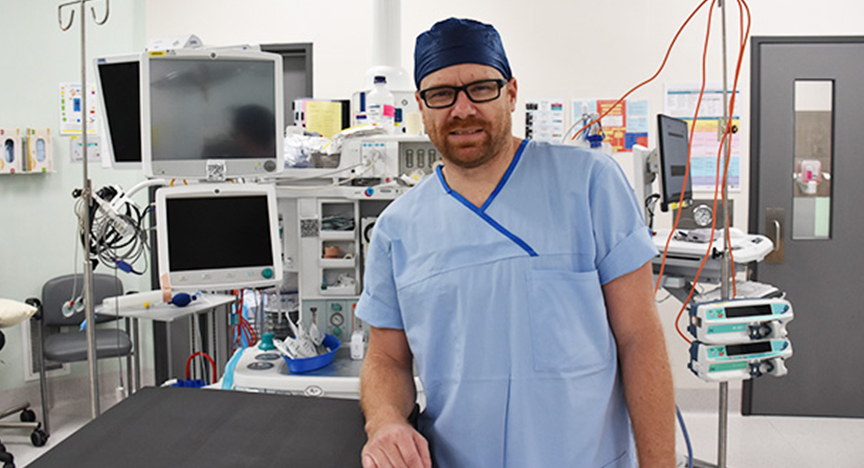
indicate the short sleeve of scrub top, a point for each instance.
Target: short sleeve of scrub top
{"x":379,"y":305}
{"x":623,"y":241}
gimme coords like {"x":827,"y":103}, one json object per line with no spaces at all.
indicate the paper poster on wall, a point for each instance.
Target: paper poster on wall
{"x":544,"y":120}
{"x":625,"y":125}
{"x":94,"y":148}
{"x":681,"y":103}
{"x":71,"y":103}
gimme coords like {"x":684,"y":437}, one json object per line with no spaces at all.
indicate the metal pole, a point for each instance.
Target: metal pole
{"x":89,"y":314}
{"x":725,"y":265}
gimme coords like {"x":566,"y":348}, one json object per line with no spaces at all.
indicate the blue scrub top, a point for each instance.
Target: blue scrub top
{"x":504,"y":312}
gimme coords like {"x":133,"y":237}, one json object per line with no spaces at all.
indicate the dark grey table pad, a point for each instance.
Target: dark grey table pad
{"x":181,"y":427}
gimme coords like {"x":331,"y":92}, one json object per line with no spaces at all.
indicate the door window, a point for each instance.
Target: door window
{"x":814,"y":137}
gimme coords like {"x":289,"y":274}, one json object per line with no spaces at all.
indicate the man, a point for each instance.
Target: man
{"x":517,"y":280}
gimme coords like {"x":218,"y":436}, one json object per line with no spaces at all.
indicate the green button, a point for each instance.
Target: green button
{"x":267,"y":273}
{"x":337,"y":331}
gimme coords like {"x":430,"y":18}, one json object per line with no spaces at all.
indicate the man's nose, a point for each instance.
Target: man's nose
{"x":463,"y":107}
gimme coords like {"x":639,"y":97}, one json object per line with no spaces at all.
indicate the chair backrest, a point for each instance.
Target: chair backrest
{"x":59,"y":291}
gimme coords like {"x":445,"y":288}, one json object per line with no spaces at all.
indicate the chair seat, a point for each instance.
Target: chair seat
{"x":72,"y":347}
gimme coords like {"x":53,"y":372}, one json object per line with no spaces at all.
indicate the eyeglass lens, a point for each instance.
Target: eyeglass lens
{"x":479,"y":91}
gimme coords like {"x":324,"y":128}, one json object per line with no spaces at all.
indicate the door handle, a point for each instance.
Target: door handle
{"x":774,"y":219}
{"x":777,"y":236}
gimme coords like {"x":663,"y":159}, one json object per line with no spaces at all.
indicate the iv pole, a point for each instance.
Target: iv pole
{"x":84,"y":223}
{"x":725,"y":260}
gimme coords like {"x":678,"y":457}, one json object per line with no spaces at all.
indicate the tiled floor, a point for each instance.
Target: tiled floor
{"x":753,"y":441}
{"x":66,"y":417}
{"x":788,"y":442}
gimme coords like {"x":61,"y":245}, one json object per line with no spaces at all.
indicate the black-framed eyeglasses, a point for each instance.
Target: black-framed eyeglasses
{"x":440,"y":97}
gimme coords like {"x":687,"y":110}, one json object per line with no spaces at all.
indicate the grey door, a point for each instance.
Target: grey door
{"x":807,"y":193}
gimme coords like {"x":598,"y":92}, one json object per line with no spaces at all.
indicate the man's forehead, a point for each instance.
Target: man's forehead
{"x":457,"y":75}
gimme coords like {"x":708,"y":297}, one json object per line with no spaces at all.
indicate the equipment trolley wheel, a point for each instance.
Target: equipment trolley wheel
{"x":38,"y":437}
{"x":28,"y":415}
{"x":6,"y":458}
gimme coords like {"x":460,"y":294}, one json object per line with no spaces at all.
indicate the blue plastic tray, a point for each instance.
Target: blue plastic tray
{"x":298,"y":366}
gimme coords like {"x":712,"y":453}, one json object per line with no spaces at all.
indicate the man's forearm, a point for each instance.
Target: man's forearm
{"x":650,"y":398}
{"x":387,"y":396}
{"x":387,"y":392}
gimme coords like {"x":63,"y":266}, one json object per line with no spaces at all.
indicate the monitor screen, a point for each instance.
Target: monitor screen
{"x":218,"y":236}
{"x":120,"y":97}
{"x":209,"y":113}
{"x":673,"y":149}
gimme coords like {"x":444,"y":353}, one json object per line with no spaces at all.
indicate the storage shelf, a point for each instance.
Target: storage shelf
{"x":337,"y":235}
{"x":337,"y":262}
{"x":339,"y":291}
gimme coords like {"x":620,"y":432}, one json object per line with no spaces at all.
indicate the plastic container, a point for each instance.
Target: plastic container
{"x":299,"y":366}
{"x":381,"y":106}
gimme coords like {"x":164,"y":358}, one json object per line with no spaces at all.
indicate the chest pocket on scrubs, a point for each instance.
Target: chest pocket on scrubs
{"x":569,"y":328}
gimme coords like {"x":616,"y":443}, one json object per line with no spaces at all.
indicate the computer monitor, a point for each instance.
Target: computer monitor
{"x":119,"y":92}
{"x":211,"y":113}
{"x":673,"y":148}
{"x":218,"y":236}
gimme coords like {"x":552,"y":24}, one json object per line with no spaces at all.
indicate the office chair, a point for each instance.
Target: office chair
{"x":59,"y":316}
{"x":12,"y":313}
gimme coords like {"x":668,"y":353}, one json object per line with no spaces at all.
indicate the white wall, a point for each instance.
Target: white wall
{"x":37,"y":224}
{"x":565,"y":49}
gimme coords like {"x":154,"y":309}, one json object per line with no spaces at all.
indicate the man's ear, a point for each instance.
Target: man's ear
{"x":512,"y":89}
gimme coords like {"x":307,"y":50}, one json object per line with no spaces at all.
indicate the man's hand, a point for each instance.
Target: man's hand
{"x":387,"y":396}
{"x":396,"y":445}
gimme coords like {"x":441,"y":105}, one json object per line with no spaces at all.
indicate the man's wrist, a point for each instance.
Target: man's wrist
{"x":381,"y":420}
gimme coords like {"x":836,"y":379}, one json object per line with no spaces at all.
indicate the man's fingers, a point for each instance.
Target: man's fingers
{"x":423,"y":448}
{"x":397,"y":447}
{"x":369,"y":461}
{"x":412,"y":451}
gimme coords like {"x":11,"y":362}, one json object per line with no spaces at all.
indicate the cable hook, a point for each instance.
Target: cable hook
{"x":105,"y":17}
{"x":72,"y":16}
{"x":60,"y":16}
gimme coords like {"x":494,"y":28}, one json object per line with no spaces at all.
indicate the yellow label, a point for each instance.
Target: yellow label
{"x":157,"y":53}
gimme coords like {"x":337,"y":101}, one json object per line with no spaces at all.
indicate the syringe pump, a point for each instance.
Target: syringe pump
{"x":721,"y":363}
{"x":740,"y":320}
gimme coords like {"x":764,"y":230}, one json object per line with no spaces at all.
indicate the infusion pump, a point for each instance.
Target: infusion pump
{"x":739,"y":321}
{"x":739,"y":339}
{"x":720,"y":363}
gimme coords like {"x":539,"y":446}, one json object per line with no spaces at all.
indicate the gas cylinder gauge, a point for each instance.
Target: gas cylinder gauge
{"x":702,"y":215}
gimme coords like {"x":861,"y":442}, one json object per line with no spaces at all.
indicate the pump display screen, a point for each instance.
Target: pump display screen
{"x":748,"y":311}
{"x":748,"y":348}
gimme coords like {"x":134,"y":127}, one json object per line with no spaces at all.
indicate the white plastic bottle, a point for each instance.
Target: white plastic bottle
{"x":380,"y":105}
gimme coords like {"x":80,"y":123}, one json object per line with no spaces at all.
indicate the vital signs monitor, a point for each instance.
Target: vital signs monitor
{"x":211,"y":114}
{"x":673,"y":149}
{"x":218,"y":236}
{"x":120,"y":97}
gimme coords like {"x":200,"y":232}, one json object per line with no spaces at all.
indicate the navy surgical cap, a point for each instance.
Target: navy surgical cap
{"x":455,"y":41}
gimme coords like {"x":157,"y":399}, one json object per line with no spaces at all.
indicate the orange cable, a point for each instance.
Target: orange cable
{"x":689,"y":153}
{"x":684,"y":184}
{"x":728,"y":130}
{"x":662,"y":65}
{"x":727,"y":134}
